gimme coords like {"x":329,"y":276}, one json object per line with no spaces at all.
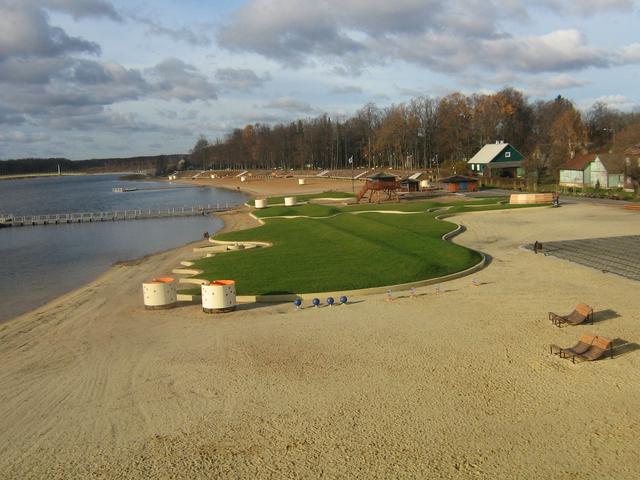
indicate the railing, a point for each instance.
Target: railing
{"x":117,"y":215}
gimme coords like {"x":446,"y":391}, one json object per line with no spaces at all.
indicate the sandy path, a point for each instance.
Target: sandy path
{"x":459,"y":385}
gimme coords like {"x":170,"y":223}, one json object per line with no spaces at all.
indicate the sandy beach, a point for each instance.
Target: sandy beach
{"x":277,"y":185}
{"x":456,"y":385}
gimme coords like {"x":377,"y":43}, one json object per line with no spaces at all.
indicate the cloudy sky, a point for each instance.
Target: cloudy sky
{"x":96,"y":78}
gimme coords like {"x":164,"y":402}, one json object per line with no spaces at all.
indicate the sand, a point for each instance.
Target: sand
{"x":459,"y":385}
{"x":278,"y":186}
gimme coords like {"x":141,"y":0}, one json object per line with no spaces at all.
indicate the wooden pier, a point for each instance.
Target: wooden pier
{"x":119,"y":215}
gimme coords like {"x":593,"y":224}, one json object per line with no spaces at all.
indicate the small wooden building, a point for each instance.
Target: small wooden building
{"x":410,"y":185}
{"x":460,"y":183}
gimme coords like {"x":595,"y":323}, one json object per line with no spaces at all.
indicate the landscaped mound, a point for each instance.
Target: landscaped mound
{"x":345,"y":251}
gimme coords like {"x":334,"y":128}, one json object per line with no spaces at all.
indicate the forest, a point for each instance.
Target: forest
{"x":156,"y":164}
{"x":426,"y":132}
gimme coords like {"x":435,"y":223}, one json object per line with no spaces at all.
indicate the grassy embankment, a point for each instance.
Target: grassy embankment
{"x":344,"y":252}
{"x":310,"y":196}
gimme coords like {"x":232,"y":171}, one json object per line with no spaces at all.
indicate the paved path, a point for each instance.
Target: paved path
{"x":619,"y":255}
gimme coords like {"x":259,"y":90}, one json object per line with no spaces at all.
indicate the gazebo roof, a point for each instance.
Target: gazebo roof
{"x":458,"y":179}
{"x":382,"y":176}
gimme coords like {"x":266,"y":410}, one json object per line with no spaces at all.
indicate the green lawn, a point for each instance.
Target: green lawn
{"x":307,"y":210}
{"x":313,"y":210}
{"x":310,"y":196}
{"x":344,"y":252}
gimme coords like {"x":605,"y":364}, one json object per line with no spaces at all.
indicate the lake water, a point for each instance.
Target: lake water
{"x":76,"y":254}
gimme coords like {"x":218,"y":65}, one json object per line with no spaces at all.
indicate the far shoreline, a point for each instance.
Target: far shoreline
{"x":29,"y":176}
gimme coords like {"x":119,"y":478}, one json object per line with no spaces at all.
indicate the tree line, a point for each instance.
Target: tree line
{"x":424,"y":133}
{"x":156,"y":164}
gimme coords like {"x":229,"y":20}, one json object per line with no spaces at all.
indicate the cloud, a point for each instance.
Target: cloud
{"x":175,"y":79}
{"x":346,"y":90}
{"x":286,"y":30}
{"x":451,"y":37}
{"x":22,"y":137}
{"x":587,"y":7}
{"x":25,"y":31}
{"x":290,"y":104}
{"x":10,"y":117}
{"x":617,"y":102}
{"x":629,"y":54}
{"x":564,"y":81}
{"x":81,"y":8}
{"x":411,"y":92}
{"x":560,"y":50}
{"x":181,"y":34}
{"x":241,"y":79}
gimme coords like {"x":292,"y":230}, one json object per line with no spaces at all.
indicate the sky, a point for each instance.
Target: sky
{"x":114,"y":78}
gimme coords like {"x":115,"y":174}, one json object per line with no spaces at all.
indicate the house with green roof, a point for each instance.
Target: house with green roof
{"x":498,"y":160}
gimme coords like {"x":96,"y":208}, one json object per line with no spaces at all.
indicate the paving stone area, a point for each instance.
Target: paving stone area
{"x":619,"y":255}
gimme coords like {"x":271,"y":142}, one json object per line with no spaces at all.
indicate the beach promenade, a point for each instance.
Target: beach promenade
{"x":455,"y":385}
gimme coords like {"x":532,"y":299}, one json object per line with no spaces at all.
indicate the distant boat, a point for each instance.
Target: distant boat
{"x":123,"y":189}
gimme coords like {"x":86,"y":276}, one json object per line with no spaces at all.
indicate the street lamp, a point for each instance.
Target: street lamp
{"x":613,"y":136}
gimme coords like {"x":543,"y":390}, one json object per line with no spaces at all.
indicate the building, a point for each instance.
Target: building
{"x":460,"y":183}
{"x":595,"y":169}
{"x":497,"y":160}
{"x":409,"y":184}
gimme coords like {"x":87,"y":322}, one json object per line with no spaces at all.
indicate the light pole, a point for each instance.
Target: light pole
{"x":613,"y":136}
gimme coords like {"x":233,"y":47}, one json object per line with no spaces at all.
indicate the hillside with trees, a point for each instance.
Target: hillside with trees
{"x":425,"y":132}
{"x":156,"y":164}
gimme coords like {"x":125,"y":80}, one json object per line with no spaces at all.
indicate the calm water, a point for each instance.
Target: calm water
{"x":76,"y":254}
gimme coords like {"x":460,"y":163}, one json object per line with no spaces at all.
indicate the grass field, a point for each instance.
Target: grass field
{"x":310,"y":196}
{"x":313,"y":210}
{"x":345,"y":251}
{"x":340,"y":253}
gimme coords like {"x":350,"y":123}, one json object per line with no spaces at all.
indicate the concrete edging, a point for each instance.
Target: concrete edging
{"x":362,"y":291}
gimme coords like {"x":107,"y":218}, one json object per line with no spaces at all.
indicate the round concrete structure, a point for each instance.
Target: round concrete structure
{"x":261,"y":203}
{"x":219,"y":296}
{"x":160,"y":293}
{"x":289,"y":201}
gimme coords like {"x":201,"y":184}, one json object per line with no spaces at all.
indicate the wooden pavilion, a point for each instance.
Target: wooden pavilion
{"x":380,"y":184}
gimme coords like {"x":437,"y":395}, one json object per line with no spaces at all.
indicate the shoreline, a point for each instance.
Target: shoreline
{"x":455,"y":385}
{"x":179,"y":250}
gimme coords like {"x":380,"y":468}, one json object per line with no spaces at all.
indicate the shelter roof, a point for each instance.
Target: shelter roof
{"x":458,"y":179}
{"x":382,"y":176}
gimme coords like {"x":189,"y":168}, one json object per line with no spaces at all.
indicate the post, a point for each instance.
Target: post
{"x":353,"y":180}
